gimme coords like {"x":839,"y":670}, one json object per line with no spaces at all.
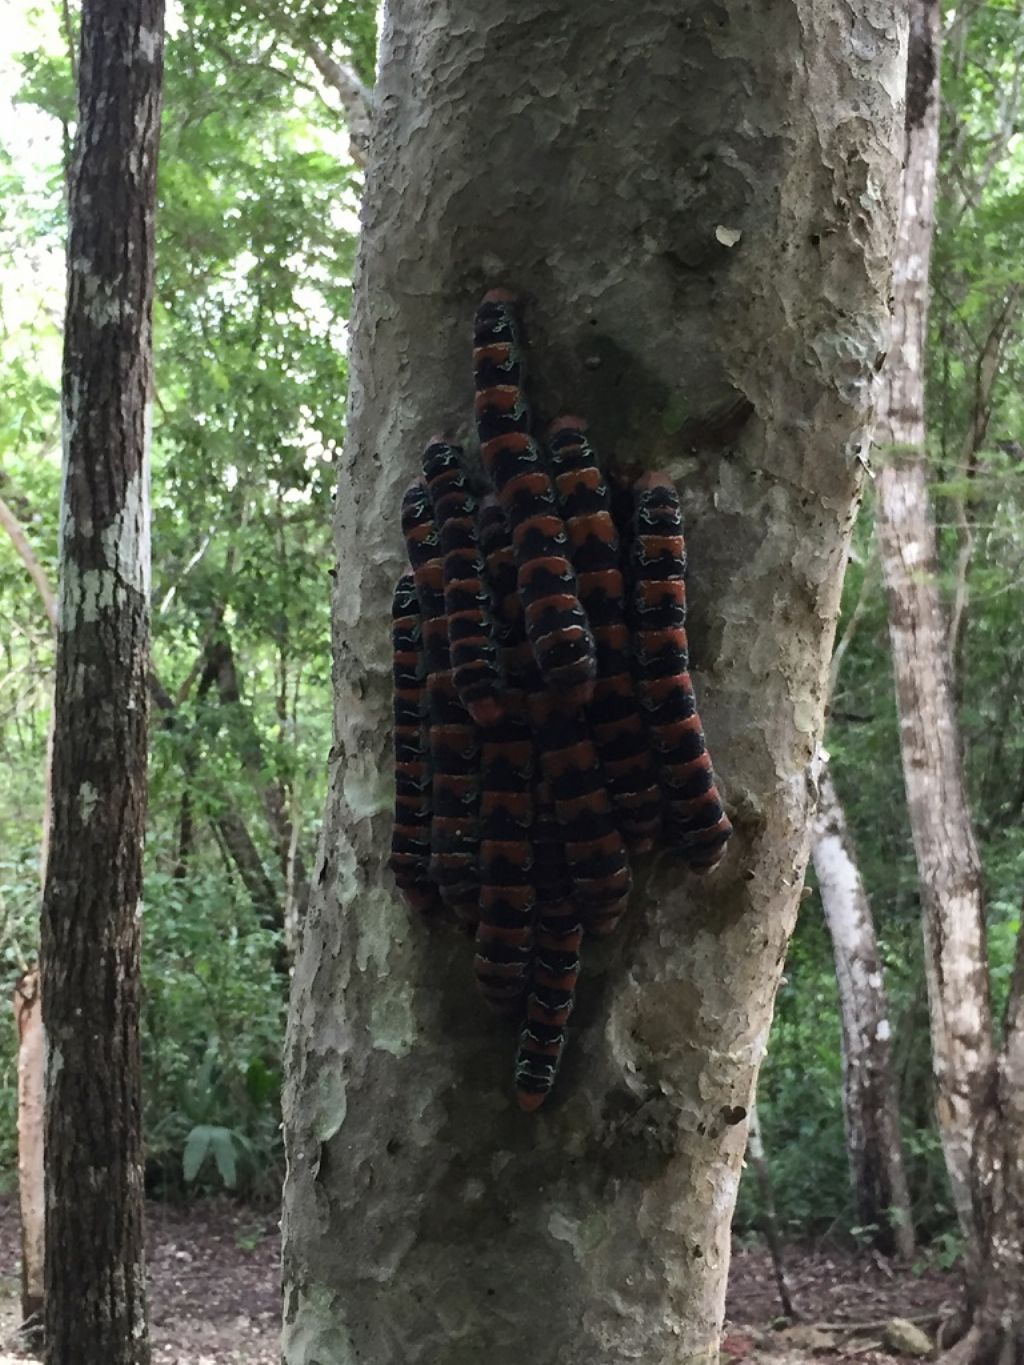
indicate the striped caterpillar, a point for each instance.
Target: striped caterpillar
{"x":545,"y":720}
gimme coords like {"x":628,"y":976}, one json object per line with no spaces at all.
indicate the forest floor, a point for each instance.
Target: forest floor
{"x":213,"y":1284}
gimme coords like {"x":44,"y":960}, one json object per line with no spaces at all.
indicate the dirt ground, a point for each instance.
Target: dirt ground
{"x":213,"y":1284}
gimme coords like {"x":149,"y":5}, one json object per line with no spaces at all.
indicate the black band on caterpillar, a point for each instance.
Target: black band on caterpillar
{"x":594,"y":849}
{"x":555,"y":621}
{"x":556,"y":962}
{"x":695,"y":822}
{"x":504,"y":936}
{"x":454,"y":745}
{"x":470,"y":643}
{"x":504,"y":942}
{"x":614,"y":713}
{"x":410,"y":838}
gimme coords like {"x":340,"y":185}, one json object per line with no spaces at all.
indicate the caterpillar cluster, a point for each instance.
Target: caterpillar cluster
{"x":545,"y":725}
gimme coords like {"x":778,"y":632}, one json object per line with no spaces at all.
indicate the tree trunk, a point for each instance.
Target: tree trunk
{"x":602,"y":170}
{"x":95,"y":1278}
{"x":947,"y":855}
{"x":770,"y":1219}
{"x":32,"y":1202}
{"x":996,"y":1303}
{"x":222,"y":671}
{"x":980,"y":1115}
{"x":870,"y":1105}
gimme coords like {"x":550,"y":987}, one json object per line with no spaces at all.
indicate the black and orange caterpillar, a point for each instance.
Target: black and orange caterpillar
{"x":545,"y":720}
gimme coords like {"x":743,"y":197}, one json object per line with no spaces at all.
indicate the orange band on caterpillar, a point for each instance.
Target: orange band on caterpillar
{"x":695,"y":822}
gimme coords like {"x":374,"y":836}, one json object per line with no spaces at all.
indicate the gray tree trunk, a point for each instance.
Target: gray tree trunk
{"x":870,"y":1105}
{"x":978,"y":1088}
{"x":95,"y":1274}
{"x":600,"y":165}
{"x":947,"y":856}
{"x":28,"y":1013}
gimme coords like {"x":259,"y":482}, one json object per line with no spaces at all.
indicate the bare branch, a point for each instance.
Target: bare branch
{"x":37,"y":573}
{"x":356,"y":99}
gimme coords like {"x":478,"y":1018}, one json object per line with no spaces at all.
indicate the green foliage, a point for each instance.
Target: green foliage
{"x":976,"y":426}
{"x":256,"y":236}
{"x":212,"y":1023}
{"x":255,"y":247}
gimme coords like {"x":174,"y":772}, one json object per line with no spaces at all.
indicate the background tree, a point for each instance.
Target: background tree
{"x":870,"y":1101}
{"x":492,"y":161}
{"x":979,"y":1084}
{"x":95,"y":1302}
{"x":255,"y":242}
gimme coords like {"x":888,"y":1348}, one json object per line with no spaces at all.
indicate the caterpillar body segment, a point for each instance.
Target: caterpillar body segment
{"x":505,"y":935}
{"x":614,"y":714}
{"x":594,"y":849}
{"x":695,"y":822}
{"x":453,"y":739}
{"x":556,"y":962}
{"x":410,"y":838}
{"x":471,"y":645}
{"x":556,"y":623}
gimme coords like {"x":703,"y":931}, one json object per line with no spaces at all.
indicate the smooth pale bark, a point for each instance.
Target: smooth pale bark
{"x":870,"y":1106}
{"x":978,"y":1089}
{"x":770,"y":1221}
{"x":28,"y":1015}
{"x":947,"y":856}
{"x":95,"y":1274}
{"x":601,"y":169}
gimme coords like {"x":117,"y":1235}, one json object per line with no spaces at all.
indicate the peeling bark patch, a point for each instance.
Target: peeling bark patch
{"x":87,"y":798}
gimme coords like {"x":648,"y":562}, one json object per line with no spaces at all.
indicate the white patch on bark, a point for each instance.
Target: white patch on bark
{"x":87,"y":798}
{"x":83,"y":597}
{"x":149,"y":44}
{"x":331,"y":1105}
{"x":126,"y":541}
{"x":103,"y":301}
{"x":125,"y":546}
{"x":367,"y":790}
{"x":565,"y":1229}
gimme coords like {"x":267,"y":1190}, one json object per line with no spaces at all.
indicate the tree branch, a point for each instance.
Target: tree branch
{"x":27,"y":555}
{"x":356,"y":99}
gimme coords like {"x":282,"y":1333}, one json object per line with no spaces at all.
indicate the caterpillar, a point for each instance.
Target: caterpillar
{"x":695,"y":822}
{"x":504,"y":939}
{"x":568,"y":760}
{"x":544,"y":719}
{"x":410,"y":839}
{"x":454,"y":748}
{"x":556,"y":963}
{"x":614,"y":715}
{"x":471,"y":646}
{"x":556,"y":623}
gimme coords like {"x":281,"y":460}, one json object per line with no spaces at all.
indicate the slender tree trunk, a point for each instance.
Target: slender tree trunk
{"x":95,"y":1278}
{"x":948,"y":861}
{"x":947,"y":855}
{"x":602,"y":170}
{"x":978,"y":1090}
{"x":770,"y":1220}
{"x":32,"y":1204}
{"x":28,"y":1013}
{"x":870,"y":1105}
{"x":274,"y":796}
